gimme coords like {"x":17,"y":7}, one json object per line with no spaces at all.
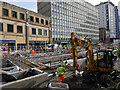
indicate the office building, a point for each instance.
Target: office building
{"x":22,"y":27}
{"x":117,"y":22}
{"x":104,"y":35}
{"x":107,"y":18}
{"x":119,"y":7}
{"x":119,"y":16}
{"x":73,"y":16}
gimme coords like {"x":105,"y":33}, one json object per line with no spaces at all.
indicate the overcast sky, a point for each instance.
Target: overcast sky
{"x":32,"y":5}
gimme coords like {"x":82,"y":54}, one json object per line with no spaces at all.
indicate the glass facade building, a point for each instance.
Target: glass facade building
{"x":66,"y":17}
{"x":108,"y":15}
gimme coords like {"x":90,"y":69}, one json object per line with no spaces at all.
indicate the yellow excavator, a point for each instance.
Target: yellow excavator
{"x":100,"y":65}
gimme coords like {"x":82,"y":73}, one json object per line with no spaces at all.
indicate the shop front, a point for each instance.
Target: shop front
{"x":6,"y":44}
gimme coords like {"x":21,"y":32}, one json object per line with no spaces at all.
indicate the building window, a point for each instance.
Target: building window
{"x":10,"y":28}
{"x":45,"y":32}
{"x":46,"y":21}
{"x":31,"y":19}
{"x":39,"y":31}
{"x":1,"y":27}
{"x":42,"y":21}
{"x":21,"y":16}
{"x":5,"y":12}
{"x":37,"y":20}
{"x":19,"y":29}
{"x":33,"y":31}
{"x":14,"y":14}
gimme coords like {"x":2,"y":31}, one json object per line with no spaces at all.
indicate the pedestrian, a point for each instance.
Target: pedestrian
{"x":63,"y":47}
{"x":61,"y":71}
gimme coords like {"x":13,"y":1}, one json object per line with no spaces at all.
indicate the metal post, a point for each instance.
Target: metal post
{"x":27,"y":41}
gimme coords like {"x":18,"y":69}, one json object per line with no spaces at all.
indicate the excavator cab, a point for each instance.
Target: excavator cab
{"x":105,"y":59}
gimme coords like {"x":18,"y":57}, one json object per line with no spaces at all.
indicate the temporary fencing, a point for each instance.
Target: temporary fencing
{"x":35,"y":56}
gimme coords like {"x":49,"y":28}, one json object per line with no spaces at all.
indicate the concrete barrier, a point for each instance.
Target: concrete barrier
{"x":28,"y":82}
{"x":58,"y":86}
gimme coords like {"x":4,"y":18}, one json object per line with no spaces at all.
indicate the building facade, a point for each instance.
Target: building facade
{"x":119,"y":16}
{"x":66,"y":17}
{"x":117,"y":22}
{"x":107,"y":18}
{"x":119,"y":7}
{"x":104,"y":35}
{"x":22,"y":27}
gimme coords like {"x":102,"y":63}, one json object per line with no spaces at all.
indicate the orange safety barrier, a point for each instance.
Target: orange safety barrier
{"x":61,"y":78}
{"x":5,"y":56}
{"x":32,"y":51}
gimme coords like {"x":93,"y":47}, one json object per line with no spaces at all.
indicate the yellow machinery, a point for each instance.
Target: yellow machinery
{"x":99,"y":69}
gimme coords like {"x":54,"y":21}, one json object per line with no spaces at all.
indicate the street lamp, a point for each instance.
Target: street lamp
{"x":45,"y":43}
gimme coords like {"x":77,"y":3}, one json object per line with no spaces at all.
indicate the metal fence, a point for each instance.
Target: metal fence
{"x":37,"y":49}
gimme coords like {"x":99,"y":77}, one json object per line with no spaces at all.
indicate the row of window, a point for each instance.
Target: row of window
{"x":38,"y":21}
{"x":61,"y":33}
{"x":10,"y":28}
{"x":75,"y":12}
{"x":76,"y":5}
{"x":69,"y":34}
{"x":39,"y":32}
{"x":72,"y":23}
{"x":14,"y":14}
{"x":67,"y":15}
{"x":22,"y":16}
{"x":61,"y":39}
{"x":75,"y":17}
{"x":62,"y":16}
{"x":62,"y":27}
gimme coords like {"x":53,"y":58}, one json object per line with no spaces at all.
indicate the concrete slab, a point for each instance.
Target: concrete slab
{"x":28,"y":82}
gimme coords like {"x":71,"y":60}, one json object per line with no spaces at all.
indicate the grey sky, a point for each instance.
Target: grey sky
{"x":32,"y":5}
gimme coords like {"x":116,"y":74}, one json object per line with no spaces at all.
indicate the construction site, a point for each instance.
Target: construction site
{"x":88,"y":67}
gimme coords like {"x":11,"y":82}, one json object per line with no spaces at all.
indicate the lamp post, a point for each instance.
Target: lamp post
{"x":27,"y":24}
{"x":45,"y":43}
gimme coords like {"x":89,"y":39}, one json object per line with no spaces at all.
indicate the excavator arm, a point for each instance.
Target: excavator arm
{"x":85,"y":44}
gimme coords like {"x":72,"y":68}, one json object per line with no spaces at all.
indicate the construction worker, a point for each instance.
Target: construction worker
{"x":64,"y":64}
{"x":61,"y":71}
{"x":40,"y":47}
{"x":30,"y":49}
{"x":67,"y":47}
{"x":32,"y":52}
{"x":54,"y":49}
{"x":10,"y":50}
{"x":63,"y":47}
{"x":23,"y":49}
{"x":47,"y":48}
